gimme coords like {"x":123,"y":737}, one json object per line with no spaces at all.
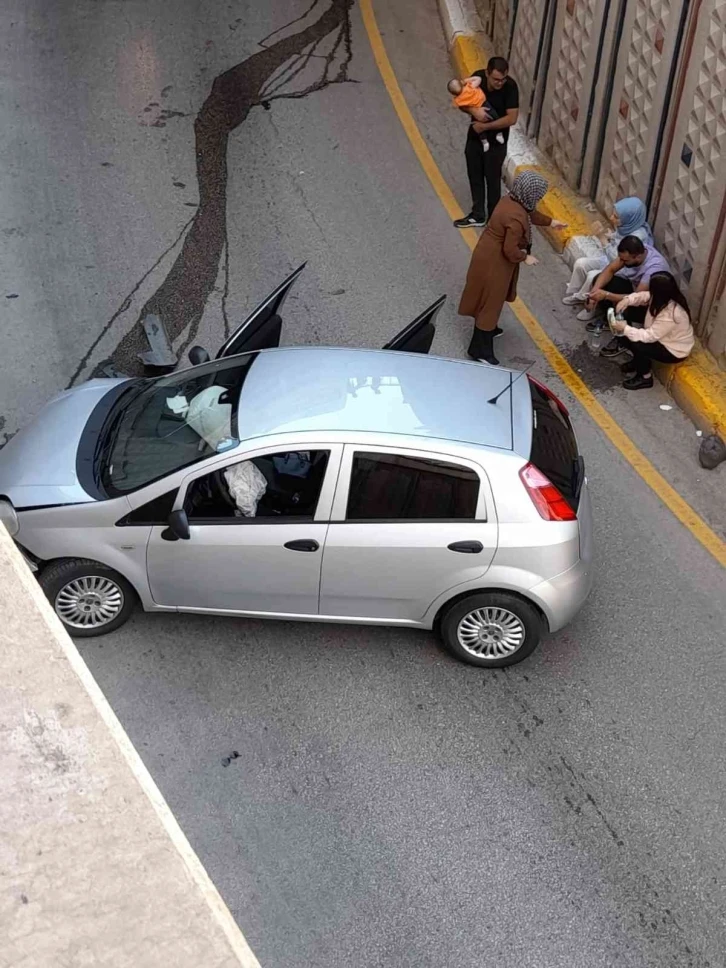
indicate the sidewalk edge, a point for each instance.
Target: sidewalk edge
{"x":198,"y":874}
{"x":698,"y":385}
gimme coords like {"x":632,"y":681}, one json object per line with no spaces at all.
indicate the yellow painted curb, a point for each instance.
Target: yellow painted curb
{"x":467,"y":55}
{"x":698,"y":385}
{"x":699,"y":388}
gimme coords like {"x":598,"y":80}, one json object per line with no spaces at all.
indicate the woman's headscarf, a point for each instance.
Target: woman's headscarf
{"x":633,"y":215}
{"x":528,"y":189}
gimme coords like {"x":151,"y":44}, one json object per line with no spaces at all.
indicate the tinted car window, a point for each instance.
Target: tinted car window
{"x":554,"y":446}
{"x":273,"y":487}
{"x":394,"y":487}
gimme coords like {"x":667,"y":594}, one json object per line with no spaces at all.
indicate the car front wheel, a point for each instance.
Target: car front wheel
{"x":491,"y":629}
{"x":89,"y":598}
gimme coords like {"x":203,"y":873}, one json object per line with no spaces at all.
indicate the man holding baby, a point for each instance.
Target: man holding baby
{"x":484,"y":167}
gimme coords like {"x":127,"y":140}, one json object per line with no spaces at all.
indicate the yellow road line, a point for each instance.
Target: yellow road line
{"x":615,"y":434}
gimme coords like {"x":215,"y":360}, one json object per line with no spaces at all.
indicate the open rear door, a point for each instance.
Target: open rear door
{"x":262,"y":328}
{"x":418,"y":336}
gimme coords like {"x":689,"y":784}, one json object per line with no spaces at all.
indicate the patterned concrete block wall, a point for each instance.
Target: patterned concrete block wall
{"x":485,"y":9}
{"x":650,"y":32}
{"x":528,"y":27}
{"x":689,"y":221}
{"x":574,"y":54}
{"x":713,"y":328}
{"x":501,"y":19}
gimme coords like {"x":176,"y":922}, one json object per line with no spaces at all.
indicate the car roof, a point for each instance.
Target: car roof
{"x":313,"y":388}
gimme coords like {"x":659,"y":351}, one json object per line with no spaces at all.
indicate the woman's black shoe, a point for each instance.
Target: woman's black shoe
{"x":639,"y":383}
{"x":481,"y":346}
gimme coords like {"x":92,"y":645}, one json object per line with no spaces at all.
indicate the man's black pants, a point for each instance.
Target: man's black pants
{"x":484,"y":169}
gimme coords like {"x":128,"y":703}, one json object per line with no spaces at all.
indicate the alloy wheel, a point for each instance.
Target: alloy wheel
{"x":89,"y":602}
{"x":491,"y":633}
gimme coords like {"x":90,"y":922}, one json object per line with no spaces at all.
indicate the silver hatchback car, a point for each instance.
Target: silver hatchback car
{"x":325,"y":484}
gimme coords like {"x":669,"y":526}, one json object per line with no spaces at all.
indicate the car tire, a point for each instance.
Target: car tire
{"x":491,"y":629}
{"x":95,"y":595}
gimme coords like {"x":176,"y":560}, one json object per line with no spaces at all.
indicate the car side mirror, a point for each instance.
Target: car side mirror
{"x":197,"y":355}
{"x":178,"y":527}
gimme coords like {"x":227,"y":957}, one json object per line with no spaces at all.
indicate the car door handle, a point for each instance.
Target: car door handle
{"x":304,"y":544}
{"x":467,"y":547}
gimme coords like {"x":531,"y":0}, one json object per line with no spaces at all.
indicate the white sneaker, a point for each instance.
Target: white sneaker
{"x":574,"y":300}
{"x":585,"y":315}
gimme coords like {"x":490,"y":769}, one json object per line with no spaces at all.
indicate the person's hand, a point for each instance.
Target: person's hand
{"x":556,"y":224}
{"x":619,"y":325}
{"x":531,"y":261}
{"x":479,"y":126}
{"x":596,"y":296}
{"x":621,"y":306}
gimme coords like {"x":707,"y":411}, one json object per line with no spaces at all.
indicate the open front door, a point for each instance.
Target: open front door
{"x":418,"y":336}
{"x":262,"y":328}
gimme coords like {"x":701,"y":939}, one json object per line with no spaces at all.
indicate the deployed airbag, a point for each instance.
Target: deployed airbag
{"x":246,"y":484}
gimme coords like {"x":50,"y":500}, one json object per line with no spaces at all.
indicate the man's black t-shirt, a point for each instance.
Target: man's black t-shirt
{"x":503,"y":100}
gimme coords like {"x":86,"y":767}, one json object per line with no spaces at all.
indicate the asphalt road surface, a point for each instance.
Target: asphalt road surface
{"x":359,"y":798}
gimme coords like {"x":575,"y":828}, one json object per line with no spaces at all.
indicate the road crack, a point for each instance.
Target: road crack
{"x":180,"y":299}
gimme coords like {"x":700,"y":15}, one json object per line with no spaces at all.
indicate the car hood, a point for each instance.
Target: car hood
{"x":38,"y":466}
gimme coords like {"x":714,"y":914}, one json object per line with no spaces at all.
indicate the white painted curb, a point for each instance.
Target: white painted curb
{"x":459,"y":17}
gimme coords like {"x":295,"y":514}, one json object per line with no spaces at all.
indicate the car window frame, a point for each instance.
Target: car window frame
{"x":484,"y":506}
{"x":325,"y":500}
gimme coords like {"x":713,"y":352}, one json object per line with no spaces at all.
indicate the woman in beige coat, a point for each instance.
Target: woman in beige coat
{"x":494,"y":269}
{"x":666,"y":337}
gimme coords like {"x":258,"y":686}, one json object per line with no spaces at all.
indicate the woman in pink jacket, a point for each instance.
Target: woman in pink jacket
{"x":667,"y":335}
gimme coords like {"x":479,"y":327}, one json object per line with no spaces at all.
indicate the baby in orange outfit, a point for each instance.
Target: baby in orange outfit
{"x":471,"y":99}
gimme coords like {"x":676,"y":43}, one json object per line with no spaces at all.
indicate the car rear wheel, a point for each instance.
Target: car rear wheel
{"x":89,"y":598}
{"x":491,"y":629}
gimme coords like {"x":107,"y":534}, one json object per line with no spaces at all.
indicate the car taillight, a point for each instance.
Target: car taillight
{"x":548,"y":393}
{"x":549,"y":502}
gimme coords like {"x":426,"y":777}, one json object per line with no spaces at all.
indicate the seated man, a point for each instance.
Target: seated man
{"x":629,"y":272}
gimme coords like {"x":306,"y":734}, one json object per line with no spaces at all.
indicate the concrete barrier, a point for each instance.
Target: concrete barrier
{"x":94,"y":869}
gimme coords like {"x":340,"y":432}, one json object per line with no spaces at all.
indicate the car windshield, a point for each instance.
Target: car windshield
{"x":166,"y":424}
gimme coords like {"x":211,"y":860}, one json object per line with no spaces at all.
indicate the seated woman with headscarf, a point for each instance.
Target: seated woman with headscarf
{"x":494,"y":269}
{"x":629,"y":217}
